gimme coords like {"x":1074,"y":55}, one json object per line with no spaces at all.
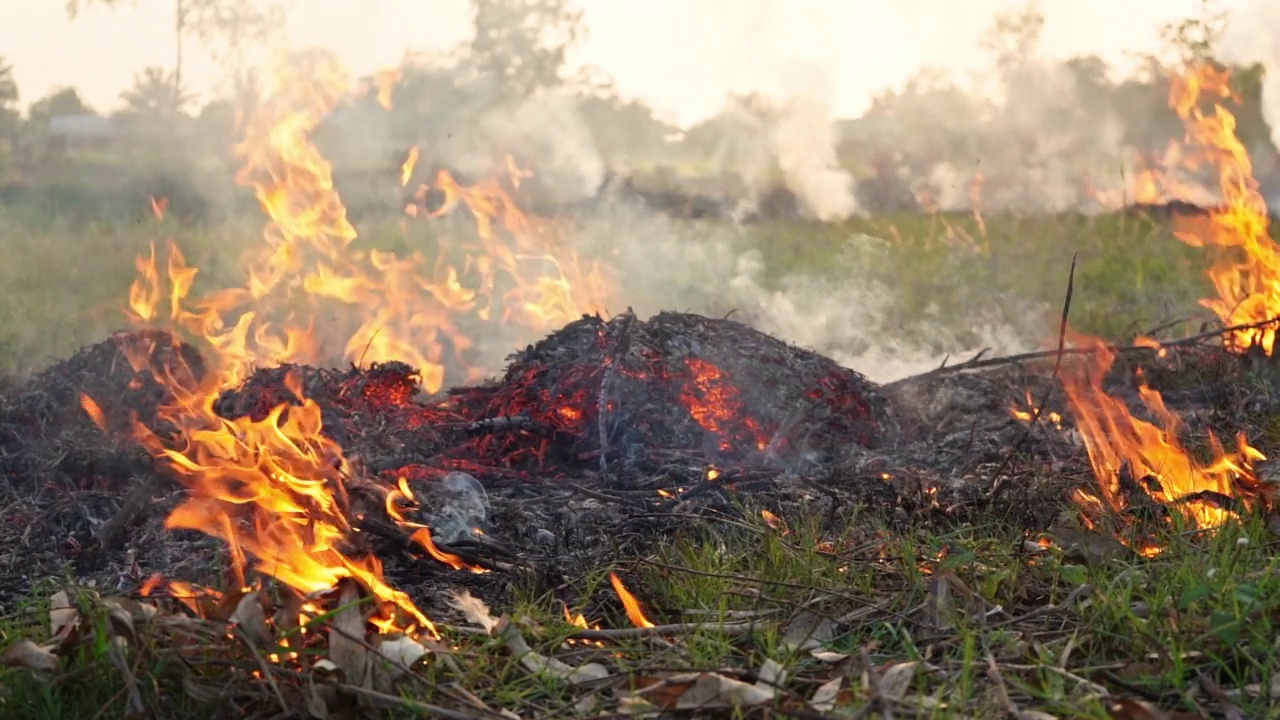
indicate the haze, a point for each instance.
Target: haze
{"x":682,"y":57}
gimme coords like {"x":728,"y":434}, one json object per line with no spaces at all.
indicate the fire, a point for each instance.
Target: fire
{"x":274,"y":489}
{"x":408,"y":307}
{"x":1248,"y":286}
{"x":629,"y":602}
{"x":1132,"y":457}
{"x":1029,"y":414}
{"x":1154,"y":458}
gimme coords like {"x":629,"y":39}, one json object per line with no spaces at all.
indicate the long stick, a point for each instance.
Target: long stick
{"x":997,"y":485}
{"x":1046,"y":354}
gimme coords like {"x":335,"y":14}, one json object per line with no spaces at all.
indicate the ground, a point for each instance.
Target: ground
{"x":854,"y":610}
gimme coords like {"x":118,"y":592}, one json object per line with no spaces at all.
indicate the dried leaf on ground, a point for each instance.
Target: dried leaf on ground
{"x":27,"y":654}
{"x":251,"y":617}
{"x":1089,"y":546}
{"x":896,"y":680}
{"x":474,"y":610}
{"x":346,"y":633}
{"x":63,"y":618}
{"x":541,"y":664}
{"x":1133,"y":709}
{"x":401,"y":653}
{"x":827,"y":695}
{"x":808,"y":631}
{"x":713,"y":690}
{"x":771,"y":674}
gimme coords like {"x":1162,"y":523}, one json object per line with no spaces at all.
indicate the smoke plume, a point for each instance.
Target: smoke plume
{"x":804,"y":144}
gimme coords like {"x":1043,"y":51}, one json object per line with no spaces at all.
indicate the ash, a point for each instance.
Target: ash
{"x":598,"y":442}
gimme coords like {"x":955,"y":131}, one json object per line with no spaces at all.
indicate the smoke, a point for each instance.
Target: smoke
{"x":804,"y":144}
{"x":546,"y":131}
{"x":846,"y":310}
{"x":1251,"y":37}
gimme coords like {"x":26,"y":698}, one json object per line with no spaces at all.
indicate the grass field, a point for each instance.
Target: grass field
{"x":979,"y":622}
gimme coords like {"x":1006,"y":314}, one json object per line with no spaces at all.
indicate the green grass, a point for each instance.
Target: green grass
{"x":992,"y":628}
{"x":66,"y":284}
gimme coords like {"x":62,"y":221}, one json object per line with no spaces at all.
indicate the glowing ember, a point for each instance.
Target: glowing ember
{"x":713,"y":402}
{"x":1029,"y":414}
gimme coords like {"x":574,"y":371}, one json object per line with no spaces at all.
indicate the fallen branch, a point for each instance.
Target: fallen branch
{"x":1188,"y":341}
{"x":728,"y":629}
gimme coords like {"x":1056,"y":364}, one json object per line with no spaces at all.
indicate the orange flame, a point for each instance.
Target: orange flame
{"x":1206,"y":493}
{"x":629,"y":602}
{"x":1153,"y":454}
{"x":273,"y":489}
{"x":1248,"y":286}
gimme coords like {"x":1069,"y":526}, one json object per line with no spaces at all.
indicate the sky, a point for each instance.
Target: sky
{"x":681,"y":56}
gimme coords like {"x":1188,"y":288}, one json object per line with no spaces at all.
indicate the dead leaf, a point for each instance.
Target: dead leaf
{"x":139,"y":611}
{"x":63,"y":618}
{"x":121,"y":621}
{"x":541,"y":664}
{"x":771,"y":674}
{"x":474,"y":610}
{"x":1089,"y":546}
{"x":895,"y":681}
{"x":586,"y":705}
{"x":649,"y":692}
{"x":808,"y":631}
{"x":830,"y":658}
{"x":827,"y":695}
{"x":27,"y":654}
{"x":712,"y":690}
{"x":201,"y":691}
{"x":346,"y":631}
{"x":223,"y":606}
{"x":1132,"y":709}
{"x":1273,"y":691}
{"x":251,"y":617}
{"x":401,"y":652}
{"x":316,"y":705}
{"x":1035,"y":715}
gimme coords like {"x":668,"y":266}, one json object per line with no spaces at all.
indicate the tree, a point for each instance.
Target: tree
{"x":226,"y":26}
{"x":1191,"y":40}
{"x":1014,"y":37}
{"x":8,"y":107}
{"x":64,"y":101}
{"x":156,"y":96}
{"x":521,"y":45}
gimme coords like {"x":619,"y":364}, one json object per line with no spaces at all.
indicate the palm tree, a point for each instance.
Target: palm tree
{"x":155,"y":94}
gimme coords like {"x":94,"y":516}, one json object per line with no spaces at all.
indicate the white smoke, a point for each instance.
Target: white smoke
{"x":843,"y":311}
{"x":545,"y":131}
{"x":1253,"y":36}
{"x":804,"y":143}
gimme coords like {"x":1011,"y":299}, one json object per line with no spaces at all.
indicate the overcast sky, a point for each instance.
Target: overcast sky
{"x":681,"y":56}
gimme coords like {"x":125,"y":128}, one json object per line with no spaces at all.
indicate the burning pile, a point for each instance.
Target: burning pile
{"x":315,"y":477}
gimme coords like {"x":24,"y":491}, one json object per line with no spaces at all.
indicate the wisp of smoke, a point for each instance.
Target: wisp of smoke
{"x":804,"y":144}
{"x":1252,"y":37}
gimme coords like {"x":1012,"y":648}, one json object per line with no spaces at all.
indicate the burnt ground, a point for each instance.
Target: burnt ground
{"x":594,"y":446}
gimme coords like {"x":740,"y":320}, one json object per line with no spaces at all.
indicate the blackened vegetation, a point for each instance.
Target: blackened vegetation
{"x":598,"y":441}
